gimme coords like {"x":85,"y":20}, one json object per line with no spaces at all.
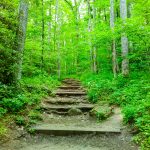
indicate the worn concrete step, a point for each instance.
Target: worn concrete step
{"x":70,"y":93}
{"x":62,"y":113}
{"x":61,"y":108}
{"x":71,"y":90}
{"x":60,"y":130}
{"x":65,"y":101}
{"x":71,"y":82}
{"x":70,"y":79}
{"x":70,"y":87}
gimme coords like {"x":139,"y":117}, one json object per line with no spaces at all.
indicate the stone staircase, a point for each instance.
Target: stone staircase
{"x":71,"y":87}
{"x":68,"y":113}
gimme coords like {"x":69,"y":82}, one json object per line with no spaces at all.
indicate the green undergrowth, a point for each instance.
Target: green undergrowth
{"x":101,"y":111}
{"x":22,"y":103}
{"x":132,"y":94}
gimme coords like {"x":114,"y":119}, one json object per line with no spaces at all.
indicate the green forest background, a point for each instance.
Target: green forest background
{"x":73,"y":39}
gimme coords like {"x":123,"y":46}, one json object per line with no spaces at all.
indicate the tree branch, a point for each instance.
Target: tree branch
{"x":70,"y":4}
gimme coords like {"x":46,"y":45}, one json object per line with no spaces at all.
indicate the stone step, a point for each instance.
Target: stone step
{"x":65,"y":101}
{"x":65,"y":108}
{"x":71,"y":90}
{"x":70,"y":87}
{"x":70,"y":79}
{"x":59,"y":130}
{"x":78,"y":82}
{"x":71,"y":82}
{"x":62,"y":113}
{"x":70,"y":93}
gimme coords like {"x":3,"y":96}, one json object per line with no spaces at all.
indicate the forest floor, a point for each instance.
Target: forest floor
{"x":68,"y":125}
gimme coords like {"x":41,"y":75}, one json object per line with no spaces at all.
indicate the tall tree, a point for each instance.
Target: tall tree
{"x":49,"y":22}
{"x":94,"y":47}
{"x":43,"y":36}
{"x":124,"y":39}
{"x":21,"y":35}
{"x":49,"y":31}
{"x":57,"y":43}
{"x":91,"y":26}
{"x":112,"y":25}
{"x":89,"y":30}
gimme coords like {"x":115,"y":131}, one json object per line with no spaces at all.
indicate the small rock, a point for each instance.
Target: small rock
{"x":74,"y":111}
{"x":101,"y":111}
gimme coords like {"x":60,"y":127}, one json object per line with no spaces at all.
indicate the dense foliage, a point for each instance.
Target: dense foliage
{"x":8,"y":25}
{"x":73,"y":38}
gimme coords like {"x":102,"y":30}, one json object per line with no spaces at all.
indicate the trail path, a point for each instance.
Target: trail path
{"x":67,"y":125}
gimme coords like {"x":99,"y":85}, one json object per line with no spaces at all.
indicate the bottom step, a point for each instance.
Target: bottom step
{"x":69,"y":130}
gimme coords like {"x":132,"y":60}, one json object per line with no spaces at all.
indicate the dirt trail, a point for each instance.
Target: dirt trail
{"x":68,"y":114}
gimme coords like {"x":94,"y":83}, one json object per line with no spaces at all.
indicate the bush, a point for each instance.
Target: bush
{"x":99,"y":89}
{"x":12,"y":105}
{"x":2,"y":112}
{"x":20,"y":120}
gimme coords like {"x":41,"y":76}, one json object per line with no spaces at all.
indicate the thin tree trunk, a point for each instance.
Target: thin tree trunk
{"x":77,"y":17}
{"x":124,"y":39}
{"x":49,"y":32}
{"x":21,"y":35}
{"x":64,"y":45}
{"x":129,"y":13}
{"x":49,"y":24}
{"x":94,"y":60}
{"x":89,"y":30}
{"x":117,"y":9}
{"x":94,"y":47}
{"x":57,"y":26}
{"x":43,"y":37}
{"x":112,"y":25}
{"x":105,"y":17}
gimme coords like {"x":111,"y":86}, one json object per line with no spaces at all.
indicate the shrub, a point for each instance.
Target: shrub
{"x":2,"y":112}
{"x":20,"y":120}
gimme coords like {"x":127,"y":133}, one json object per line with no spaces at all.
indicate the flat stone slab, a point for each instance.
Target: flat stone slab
{"x":69,"y":130}
{"x":83,"y":107}
{"x":71,"y":79}
{"x":64,"y":100}
{"x":70,"y":87}
{"x":70,"y":93}
{"x":71,"y":90}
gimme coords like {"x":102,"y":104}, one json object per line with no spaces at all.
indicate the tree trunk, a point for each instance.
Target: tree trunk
{"x":117,"y":9}
{"x":124,"y":39}
{"x":112,"y":25}
{"x":89,"y":30}
{"x":77,"y":17}
{"x":129,"y":13}
{"x":43,"y":37}
{"x":57,"y":26}
{"x":49,"y":24}
{"x":94,"y":60}
{"x":21,"y":35}
{"x":94,"y":47}
{"x":105,"y":16}
{"x":49,"y":32}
